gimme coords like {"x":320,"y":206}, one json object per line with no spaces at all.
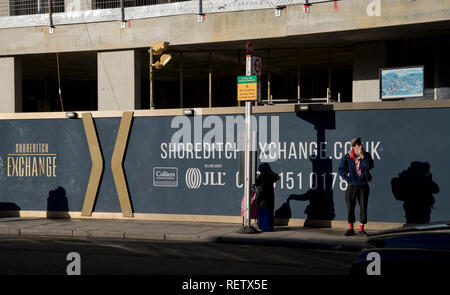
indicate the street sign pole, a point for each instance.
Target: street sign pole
{"x":248,"y":115}
{"x":150,"y":51}
{"x":247,"y":226}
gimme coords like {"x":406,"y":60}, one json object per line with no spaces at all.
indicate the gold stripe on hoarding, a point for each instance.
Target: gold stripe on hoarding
{"x":97,"y":164}
{"x":117,"y":164}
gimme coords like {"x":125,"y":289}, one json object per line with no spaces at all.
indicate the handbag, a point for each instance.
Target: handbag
{"x":253,"y":205}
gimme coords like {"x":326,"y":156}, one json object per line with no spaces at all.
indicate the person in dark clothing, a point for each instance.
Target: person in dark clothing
{"x":265,"y":196}
{"x":354,"y":168}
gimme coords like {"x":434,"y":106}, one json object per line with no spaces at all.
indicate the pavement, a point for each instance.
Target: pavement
{"x":303,"y":237}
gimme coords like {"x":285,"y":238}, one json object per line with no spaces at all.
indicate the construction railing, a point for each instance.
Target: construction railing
{"x":28,"y":7}
{"x":30,"y":13}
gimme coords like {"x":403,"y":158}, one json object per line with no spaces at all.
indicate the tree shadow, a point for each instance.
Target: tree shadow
{"x":57,"y":204}
{"x":320,"y":210}
{"x":415,"y":188}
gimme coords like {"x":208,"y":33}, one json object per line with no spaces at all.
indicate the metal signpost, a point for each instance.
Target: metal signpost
{"x":248,"y":92}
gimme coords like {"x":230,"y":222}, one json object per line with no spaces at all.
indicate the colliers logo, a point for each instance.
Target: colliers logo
{"x":195,"y":178}
{"x":165,"y":176}
{"x":31,"y":160}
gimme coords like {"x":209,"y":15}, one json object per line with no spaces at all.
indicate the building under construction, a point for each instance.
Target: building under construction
{"x":147,"y":93}
{"x":94,"y":54}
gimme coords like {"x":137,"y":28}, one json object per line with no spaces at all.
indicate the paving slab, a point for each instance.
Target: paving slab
{"x":98,"y":234}
{"x":137,"y":235}
{"x":317,"y":238}
{"x":46,"y":232}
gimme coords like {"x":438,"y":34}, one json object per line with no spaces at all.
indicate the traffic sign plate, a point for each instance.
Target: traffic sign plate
{"x":257,"y":66}
{"x":247,"y":88}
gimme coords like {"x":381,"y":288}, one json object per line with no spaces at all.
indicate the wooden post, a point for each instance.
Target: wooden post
{"x":329,"y":76}
{"x":268,"y":78}
{"x":181,"y":79}
{"x":298,"y":76}
{"x":210,"y":80}
{"x":436,"y":70}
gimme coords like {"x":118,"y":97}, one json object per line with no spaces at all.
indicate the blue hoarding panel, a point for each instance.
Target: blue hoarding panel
{"x":189,"y":165}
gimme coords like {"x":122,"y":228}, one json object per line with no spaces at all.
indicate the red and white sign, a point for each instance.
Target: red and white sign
{"x":254,"y":66}
{"x":256,"y":69}
{"x":249,"y":48}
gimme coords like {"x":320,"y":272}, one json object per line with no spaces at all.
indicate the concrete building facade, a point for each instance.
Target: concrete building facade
{"x":95,"y":53}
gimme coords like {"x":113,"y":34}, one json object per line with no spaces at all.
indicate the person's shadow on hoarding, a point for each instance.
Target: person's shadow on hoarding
{"x":9,"y":209}
{"x":320,"y":210}
{"x":57,"y":204}
{"x":415,"y":188}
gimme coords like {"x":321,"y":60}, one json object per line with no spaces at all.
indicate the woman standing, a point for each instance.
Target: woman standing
{"x":265,"y":196}
{"x":354,"y":168}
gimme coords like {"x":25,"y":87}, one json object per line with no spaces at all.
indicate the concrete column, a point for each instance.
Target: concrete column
{"x":442,"y":75}
{"x":368,"y":58}
{"x":4,"y":7}
{"x":11,"y":85}
{"x":77,"y":5}
{"x":119,"y":80}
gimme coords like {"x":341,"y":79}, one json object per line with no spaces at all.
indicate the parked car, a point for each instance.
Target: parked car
{"x":412,"y":250}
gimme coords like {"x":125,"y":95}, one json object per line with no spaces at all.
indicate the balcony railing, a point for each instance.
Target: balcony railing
{"x":28,"y":7}
{"x":25,"y":7}
{"x":27,"y":13}
{"x":102,"y":4}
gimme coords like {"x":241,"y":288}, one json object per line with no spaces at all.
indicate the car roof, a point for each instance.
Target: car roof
{"x":417,"y":228}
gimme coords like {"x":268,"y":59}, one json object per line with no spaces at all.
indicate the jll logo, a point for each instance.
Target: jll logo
{"x":194,"y":178}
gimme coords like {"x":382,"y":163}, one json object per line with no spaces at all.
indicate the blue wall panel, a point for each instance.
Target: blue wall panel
{"x":309,"y":147}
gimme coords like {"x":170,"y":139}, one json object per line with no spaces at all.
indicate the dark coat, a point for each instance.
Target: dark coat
{"x":265,"y":192}
{"x":347,"y":169}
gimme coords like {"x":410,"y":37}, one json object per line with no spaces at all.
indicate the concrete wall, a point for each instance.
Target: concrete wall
{"x":119,"y":80}
{"x":368,"y":58}
{"x":10,"y":85}
{"x":224,"y":27}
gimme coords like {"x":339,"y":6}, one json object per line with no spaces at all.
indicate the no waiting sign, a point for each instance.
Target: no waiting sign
{"x":247,"y":88}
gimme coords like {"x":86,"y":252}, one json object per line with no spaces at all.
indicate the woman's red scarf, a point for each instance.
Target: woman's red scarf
{"x":357,"y":161}
{"x":353,"y":155}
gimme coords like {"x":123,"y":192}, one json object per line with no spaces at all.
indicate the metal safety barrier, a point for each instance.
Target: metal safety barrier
{"x":29,"y":7}
{"x":31,"y":13}
{"x":102,"y":4}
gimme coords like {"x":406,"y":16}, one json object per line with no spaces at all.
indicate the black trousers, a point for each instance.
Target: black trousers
{"x":358,"y":193}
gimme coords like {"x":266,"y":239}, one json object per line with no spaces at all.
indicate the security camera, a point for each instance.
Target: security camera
{"x":165,"y":58}
{"x":159,"y":47}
